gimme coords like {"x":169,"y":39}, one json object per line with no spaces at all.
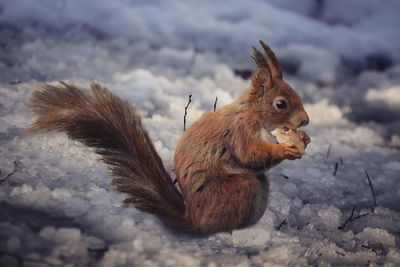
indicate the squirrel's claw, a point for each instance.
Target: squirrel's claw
{"x":292,"y":153}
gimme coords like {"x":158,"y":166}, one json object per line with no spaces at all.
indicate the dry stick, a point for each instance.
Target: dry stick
{"x":340,"y":253}
{"x":328,"y":152}
{"x":11,"y":173}
{"x":352,"y":218}
{"x":284,"y":222}
{"x":336,"y":168}
{"x":372,"y":188}
{"x":14,"y":82}
{"x":215,"y":103}
{"x":184,"y":117}
{"x":100,"y":250}
{"x":348,"y":219}
{"x":285,"y":176}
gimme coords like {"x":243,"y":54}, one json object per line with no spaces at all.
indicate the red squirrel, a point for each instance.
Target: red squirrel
{"x":220,"y":160}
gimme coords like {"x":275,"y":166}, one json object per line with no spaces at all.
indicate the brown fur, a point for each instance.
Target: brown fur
{"x":103,"y":121}
{"x":219,"y":161}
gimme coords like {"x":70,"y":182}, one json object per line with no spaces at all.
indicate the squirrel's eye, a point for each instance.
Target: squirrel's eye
{"x":281,"y":104}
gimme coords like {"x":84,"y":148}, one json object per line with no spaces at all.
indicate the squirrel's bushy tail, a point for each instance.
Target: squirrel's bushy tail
{"x":101,"y":120}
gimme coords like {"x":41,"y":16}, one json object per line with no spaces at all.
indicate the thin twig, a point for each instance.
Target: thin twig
{"x":352,"y":218}
{"x":215,"y":103}
{"x":285,"y":176}
{"x":328,"y":152}
{"x":340,"y":253}
{"x":11,"y":173}
{"x":360,"y":216}
{"x":348,"y":219}
{"x":336,"y":168}
{"x":372,"y":189}
{"x":184,"y":117}
{"x":284,"y":222}
{"x":14,"y":82}
{"x":98,"y":250}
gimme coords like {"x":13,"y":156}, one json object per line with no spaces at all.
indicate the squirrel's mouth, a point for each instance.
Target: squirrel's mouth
{"x":286,"y":128}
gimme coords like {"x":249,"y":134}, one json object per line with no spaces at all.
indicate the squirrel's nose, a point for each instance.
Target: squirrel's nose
{"x":305,"y":120}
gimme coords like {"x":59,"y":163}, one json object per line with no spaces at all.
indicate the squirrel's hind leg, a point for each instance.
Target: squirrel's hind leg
{"x":227,"y":203}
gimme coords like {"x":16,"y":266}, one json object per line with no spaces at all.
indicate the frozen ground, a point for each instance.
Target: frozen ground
{"x":56,"y":203}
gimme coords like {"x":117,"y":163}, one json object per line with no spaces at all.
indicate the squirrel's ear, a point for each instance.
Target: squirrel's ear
{"x":261,"y":80}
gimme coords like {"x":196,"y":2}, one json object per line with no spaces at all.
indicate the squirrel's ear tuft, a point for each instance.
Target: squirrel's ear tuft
{"x":272,"y":61}
{"x":259,"y":58}
{"x":261,"y":81}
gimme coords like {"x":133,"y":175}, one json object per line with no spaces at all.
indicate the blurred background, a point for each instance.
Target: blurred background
{"x":344,"y":51}
{"x":57,"y":206}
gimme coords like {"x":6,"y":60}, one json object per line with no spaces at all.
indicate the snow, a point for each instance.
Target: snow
{"x":331,"y":217}
{"x":388,"y":97}
{"x":57,"y":207}
{"x":250,"y":237}
{"x":376,"y":235}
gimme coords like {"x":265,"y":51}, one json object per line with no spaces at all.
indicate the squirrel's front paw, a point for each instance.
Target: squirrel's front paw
{"x":304,"y":137}
{"x":292,"y":153}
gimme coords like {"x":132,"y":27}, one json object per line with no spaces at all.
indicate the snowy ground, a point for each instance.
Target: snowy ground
{"x":56,"y":203}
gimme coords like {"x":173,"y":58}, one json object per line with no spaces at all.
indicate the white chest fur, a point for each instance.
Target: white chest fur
{"x":267,"y":136}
